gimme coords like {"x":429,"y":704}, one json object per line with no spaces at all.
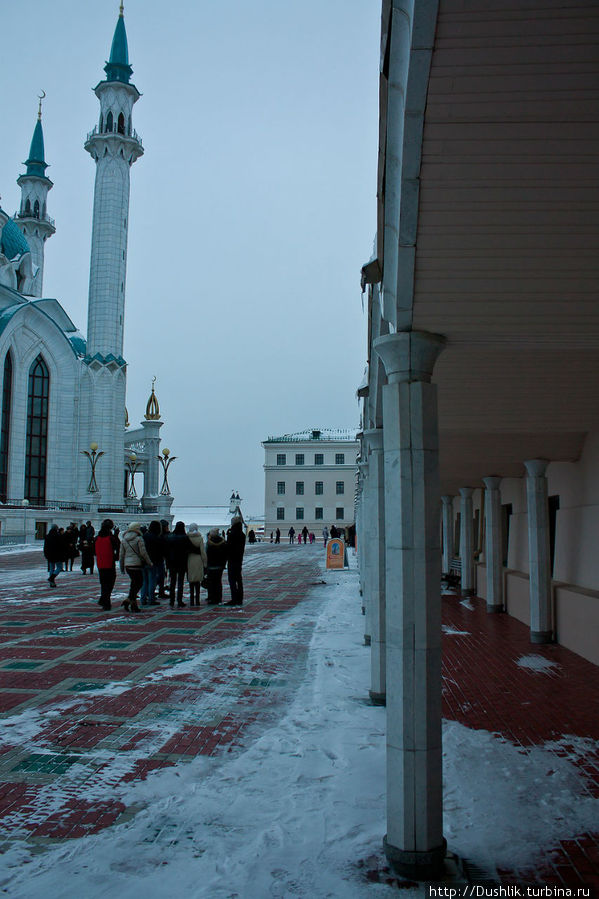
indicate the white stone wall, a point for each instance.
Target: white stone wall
{"x":103,"y":422}
{"x":329,"y":473}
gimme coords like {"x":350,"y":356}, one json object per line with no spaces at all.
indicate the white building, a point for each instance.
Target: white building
{"x":309,"y":480}
{"x":62,"y":396}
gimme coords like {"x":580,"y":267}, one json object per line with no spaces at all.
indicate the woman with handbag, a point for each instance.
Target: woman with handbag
{"x":133,"y":557}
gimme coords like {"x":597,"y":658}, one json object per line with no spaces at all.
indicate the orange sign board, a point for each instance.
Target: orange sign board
{"x":335,"y":553}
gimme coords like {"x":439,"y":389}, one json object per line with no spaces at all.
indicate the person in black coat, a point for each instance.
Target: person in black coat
{"x":178,"y":547}
{"x":54,"y":553}
{"x":235,"y":550}
{"x":216,"y":552}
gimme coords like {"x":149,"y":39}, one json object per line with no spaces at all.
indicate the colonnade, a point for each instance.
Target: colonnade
{"x":404,"y":546}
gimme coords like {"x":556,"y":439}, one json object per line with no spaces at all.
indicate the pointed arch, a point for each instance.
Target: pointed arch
{"x":121,"y":124}
{"x":27,"y":206}
{"x":5,"y":425}
{"x":101,"y":123}
{"x":109,"y":121}
{"x":36,"y":209}
{"x":36,"y":446}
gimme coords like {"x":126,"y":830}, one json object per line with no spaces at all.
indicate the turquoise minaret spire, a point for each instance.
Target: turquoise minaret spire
{"x":32,"y":217}
{"x":117,"y":68}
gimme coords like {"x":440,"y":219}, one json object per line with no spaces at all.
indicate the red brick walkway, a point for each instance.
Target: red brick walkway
{"x":496,"y":680}
{"x":90,"y":700}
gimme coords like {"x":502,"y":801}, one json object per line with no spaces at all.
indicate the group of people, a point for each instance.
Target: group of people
{"x":63,"y":545}
{"x":149,"y":554}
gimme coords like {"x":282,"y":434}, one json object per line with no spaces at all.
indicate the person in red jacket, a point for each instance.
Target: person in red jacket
{"x":107,"y":551}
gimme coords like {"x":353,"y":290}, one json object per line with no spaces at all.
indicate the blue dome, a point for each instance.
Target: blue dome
{"x":12,"y":242}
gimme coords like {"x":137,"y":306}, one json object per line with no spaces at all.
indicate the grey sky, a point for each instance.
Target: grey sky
{"x":251,"y":210}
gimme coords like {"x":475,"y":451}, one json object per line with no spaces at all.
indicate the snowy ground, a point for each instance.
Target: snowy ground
{"x":294,"y":813}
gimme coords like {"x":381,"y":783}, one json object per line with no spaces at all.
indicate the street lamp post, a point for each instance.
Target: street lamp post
{"x":25,"y":507}
{"x":165,"y":460}
{"x":132,"y":467}
{"x":93,"y":457}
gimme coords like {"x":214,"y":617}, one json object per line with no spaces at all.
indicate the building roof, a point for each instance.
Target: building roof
{"x":347,"y":435}
{"x":36,"y":163}
{"x":117,"y":68}
{"x":12,"y":241}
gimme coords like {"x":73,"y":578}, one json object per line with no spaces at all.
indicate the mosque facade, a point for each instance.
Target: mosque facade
{"x":66,"y":449}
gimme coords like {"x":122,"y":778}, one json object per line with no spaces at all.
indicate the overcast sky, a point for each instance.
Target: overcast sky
{"x":251,"y":211}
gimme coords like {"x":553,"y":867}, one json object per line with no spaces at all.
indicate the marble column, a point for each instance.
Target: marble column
{"x":541,"y":626}
{"x":414,"y":841}
{"x":447,"y":525}
{"x":493,"y":548}
{"x":376,"y":545}
{"x":466,"y":541}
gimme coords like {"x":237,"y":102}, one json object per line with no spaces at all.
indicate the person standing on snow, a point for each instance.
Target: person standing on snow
{"x":235,"y":550}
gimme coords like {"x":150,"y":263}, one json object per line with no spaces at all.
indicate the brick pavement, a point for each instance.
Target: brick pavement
{"x":496,"y":680}
{"x":90,"y":700}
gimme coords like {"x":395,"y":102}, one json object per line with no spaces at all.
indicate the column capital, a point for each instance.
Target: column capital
{"x":409,"y":355}
{"x":492,"y":482}
{"x":447,"y":499}
{"x":374,"y":438}
{"x":466,"y":492}
{"x":536,"y":468}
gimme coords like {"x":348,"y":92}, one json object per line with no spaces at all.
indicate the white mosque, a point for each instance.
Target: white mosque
{"x":66,"y":451}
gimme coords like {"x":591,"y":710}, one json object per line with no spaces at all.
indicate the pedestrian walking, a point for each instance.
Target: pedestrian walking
{"x":216,"y":554}
{"x":299,"y":538}
{"x":291,"y":533}
{"x":162,"y":568}
{"x":132,"y":558}
{"x":235,"y":550}
{"x":155,"y":549}
{"x":278,"y":535}
{"x":196,"y":563}
{"x":305,"y":534}
{"x":178,"y":547}
{"x":325,"y":535}
{"x":71,"y":535}
{"x":54,"y":553}
{"x":107,"y":552}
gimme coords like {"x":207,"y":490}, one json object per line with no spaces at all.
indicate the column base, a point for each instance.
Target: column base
{"x":493,"y":609}
{"x":416,"y":865}
{"x":541,"y":636}
{"x":367,"y":640}
{"x":377,"y":698}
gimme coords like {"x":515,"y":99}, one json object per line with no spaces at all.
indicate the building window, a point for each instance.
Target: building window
{"x":5,"y":426}
{"x":299,"y":513}
{"x":299,"y":488}
{"x":339,"y":513}
{"x":37,"y":431}
{"x":280,"y":514}
{"x":319,"y":488}
{"x":299,"y":458}
{"x":339,"y":487}
{"x":281,"y":459}
{"x":318,"y":459}
{"x":318,"y":513}
{"x":281,"y":488}
{"x":339,"y":458}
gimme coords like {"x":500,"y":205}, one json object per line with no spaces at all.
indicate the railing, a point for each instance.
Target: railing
{"x":24,"y":214}
{"x":47,"y":505}
{"x":13,"y":540}
{"x":133,"y":136}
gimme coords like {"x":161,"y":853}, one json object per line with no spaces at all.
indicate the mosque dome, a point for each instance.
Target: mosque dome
{"x":12,"y":242}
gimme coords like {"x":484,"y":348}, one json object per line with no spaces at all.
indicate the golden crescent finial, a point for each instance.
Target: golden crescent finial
{"x":153,"y":381}
{"x":39,"y":109}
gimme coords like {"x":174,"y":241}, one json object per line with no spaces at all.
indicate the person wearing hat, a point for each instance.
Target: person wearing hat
{"x":235,"y":550}
{"x":216,"y":555}
{"x":133,"y":557}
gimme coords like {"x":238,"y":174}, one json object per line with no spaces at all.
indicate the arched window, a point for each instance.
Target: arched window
{"x":109,"y":122}
{"x":129,"y":127}
{"x":5,"y":426}
{"x":121,"y":123}
{"x":27,"y":206}
{"x":101,"y":123}
{"x":37,"y":431}
{"x":36,"y":209}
